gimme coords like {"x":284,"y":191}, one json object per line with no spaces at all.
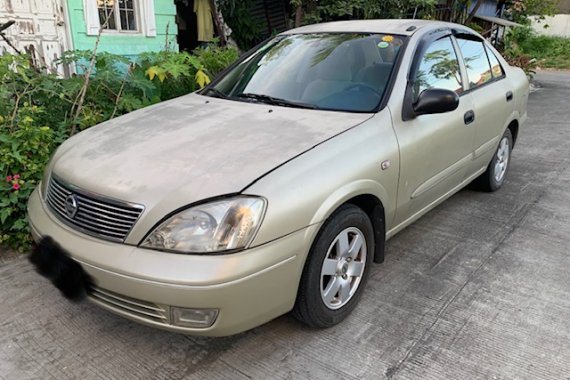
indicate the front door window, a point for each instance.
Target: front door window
{"x":439,"y":68}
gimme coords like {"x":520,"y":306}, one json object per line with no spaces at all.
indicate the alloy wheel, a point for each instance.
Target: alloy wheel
{"x":503,"y":154}
{"x":343,"y":268}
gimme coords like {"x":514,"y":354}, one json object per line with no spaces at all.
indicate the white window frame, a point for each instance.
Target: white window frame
{"x":144,"y":13}
{"x":117,"y":15}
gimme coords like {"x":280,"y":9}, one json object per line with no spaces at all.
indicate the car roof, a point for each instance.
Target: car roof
{"x":404,"y":27}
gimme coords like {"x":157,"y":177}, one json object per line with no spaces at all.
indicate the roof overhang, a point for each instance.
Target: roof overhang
{"x":498,"y":21}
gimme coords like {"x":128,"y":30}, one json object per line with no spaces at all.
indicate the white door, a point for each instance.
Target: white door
{"x":40,"y":30}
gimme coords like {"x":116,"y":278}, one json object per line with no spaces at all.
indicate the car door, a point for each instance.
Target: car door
{"x":436,"y":149}
{"x":492,"y":96}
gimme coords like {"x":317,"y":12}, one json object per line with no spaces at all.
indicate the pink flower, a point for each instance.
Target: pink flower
{"x":16,"y":186}
{"x":16,"y":177}
{"x":9,"y":178}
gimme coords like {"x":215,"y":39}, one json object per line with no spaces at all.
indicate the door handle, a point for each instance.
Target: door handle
{"x":509,"y":96}
{"x":469,"y":117}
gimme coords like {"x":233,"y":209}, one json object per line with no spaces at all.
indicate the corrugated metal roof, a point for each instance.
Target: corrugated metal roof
{"x":272,"y":13}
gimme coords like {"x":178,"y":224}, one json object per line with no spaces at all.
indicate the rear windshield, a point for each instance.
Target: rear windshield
{"x":332,"y":71}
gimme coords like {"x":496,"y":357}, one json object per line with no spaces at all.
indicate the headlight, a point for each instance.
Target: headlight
{"x":212,"y":227}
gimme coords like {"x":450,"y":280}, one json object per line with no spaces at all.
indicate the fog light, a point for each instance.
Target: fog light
{"x":198,"y":318}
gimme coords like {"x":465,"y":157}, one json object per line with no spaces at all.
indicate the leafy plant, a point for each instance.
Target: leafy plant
{"x":23,"y":154}
{"x":521,"y":10}
{"x":247,"y":30}
{"x":215,"y":58}
{"x":525,"y":48}
{"x":332,"y":10}
{"x":172,"y":74}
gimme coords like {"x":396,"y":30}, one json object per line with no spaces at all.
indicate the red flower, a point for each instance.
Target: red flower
{"x":16,"y":177}
{"x":9,"y":178}
{"x":16,"y":186}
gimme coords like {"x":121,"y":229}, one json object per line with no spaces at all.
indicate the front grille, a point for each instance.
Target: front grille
{"x":131,"y":306}
{"x":92,"y":214}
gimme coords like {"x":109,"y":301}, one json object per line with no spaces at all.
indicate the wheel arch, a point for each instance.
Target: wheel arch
{"x":370,"y":197}
{"x":374,"y":208}
{"x":514,"y":127}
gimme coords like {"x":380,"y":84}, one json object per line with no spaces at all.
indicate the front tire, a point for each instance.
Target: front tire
{"x":496,"y":173}
{"x":337,"y":269}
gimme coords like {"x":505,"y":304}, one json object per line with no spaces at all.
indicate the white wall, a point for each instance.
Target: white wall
{"x":40,"y":28}
{"x":558,"y":25}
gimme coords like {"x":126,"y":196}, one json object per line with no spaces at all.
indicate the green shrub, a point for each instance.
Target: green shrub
{"x":247,"y":30}
{"x":23,"y":155}
{"x":38,"y":111}
{"x":333,"y":10}
{"x":215,"y":58}
{"x":548,"y":51}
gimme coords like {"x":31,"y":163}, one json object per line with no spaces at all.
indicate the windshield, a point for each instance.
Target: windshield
{"x":334,"y":71}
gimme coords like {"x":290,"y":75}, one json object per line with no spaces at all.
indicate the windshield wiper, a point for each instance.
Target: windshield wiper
{"x":276,"y":101}
{"x":217,"y":93}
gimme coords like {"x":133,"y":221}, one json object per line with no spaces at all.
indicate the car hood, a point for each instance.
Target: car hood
{"x":191,"y":148}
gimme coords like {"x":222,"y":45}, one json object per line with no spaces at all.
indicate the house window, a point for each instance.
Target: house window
{"x":120,"y":15}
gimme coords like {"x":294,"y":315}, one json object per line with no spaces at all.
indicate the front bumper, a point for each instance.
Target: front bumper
{"x":248,"y":288}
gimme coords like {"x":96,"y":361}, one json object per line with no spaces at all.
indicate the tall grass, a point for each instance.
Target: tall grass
{"x":549,"y":51}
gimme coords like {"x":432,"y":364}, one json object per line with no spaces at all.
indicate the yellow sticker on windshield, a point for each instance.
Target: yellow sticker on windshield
{"x":388,"y":38}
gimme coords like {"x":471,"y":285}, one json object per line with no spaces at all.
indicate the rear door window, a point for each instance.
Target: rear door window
{"x":476,"y":62}
{"x":496,"y":67}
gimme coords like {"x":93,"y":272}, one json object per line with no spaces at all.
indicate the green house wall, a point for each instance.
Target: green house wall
{"x":130,"y":45}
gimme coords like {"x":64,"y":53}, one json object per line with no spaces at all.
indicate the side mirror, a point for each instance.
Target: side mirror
{"x":436,"y":100}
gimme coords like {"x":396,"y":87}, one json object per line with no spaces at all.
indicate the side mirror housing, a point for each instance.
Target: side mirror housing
{"x":436,"y":100}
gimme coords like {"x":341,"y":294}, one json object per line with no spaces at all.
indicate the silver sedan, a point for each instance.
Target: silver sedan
{"x":276,"y":187}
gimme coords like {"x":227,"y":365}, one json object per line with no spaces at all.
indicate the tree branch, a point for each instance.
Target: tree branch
{"x":76,"y":110}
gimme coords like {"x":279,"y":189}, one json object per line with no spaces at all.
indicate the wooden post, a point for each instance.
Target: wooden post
{"x":217,"y":22}
{"x":298,"y":15}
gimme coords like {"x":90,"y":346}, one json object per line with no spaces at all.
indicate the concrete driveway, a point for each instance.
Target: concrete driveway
{"x":477,"y":289}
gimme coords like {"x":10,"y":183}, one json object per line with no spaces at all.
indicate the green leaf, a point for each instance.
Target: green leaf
{"x":6,"y":139}
{"x":4,"y":214}
{"x":17,"y":156}
{"x":18,"y":225}
{"x":13,"y":197}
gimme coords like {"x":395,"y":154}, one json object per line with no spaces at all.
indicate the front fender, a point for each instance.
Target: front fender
{"x":307,"y":190}
{"x":347,"y":192}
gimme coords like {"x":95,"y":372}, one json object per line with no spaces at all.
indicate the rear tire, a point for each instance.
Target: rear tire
{"x":336,"y":270}
{"x":496,"y":173}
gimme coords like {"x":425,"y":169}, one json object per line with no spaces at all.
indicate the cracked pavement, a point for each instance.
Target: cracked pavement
{"x":477,"y":289}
